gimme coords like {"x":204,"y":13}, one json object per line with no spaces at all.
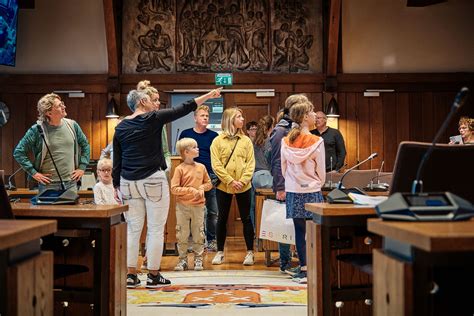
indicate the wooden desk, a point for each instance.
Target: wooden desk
{"x":338,"y":229}
{"x":25,"y":194}
{"x":26,"y":272}
{"x":270,"y":246}
{"x":92,"y":237}
{"x":419,"y":257}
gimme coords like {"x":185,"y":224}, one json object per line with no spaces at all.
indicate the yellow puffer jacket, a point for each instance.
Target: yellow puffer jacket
{"x":241,"y":165}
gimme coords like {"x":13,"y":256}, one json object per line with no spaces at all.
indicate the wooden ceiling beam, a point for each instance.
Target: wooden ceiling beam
{"x":111,"y":38}
{"x":333,"y":38}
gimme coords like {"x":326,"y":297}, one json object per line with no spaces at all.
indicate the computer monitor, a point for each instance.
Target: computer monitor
{"x":5,"y":207}
{"x":449,"y":168}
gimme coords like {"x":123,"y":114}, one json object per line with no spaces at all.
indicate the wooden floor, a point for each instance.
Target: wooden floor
{"x":234,"y":254}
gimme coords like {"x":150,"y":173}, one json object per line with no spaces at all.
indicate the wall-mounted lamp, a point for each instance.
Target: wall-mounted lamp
{"x":376,"y":92}
{"x":111,"y":109}
{"x":71,"y":93}
{"x":332,"y":109}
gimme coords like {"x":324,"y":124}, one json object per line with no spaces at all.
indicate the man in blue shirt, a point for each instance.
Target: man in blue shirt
{"x":204,"y":138}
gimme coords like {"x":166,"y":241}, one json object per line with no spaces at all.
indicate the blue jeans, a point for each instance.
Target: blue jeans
{"x":285,"y":256}
{"x":211,"y":214}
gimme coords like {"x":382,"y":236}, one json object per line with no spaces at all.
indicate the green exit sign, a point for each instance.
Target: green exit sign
{"x":223,"y":79}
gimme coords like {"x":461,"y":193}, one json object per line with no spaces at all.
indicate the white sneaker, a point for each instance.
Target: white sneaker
{"x":198,"y":264}
{"x":249,"y":258}
{"x":218,"y":258}
{"x":182,"y":265}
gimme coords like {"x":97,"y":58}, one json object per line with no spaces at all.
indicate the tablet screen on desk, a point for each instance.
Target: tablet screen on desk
{"x":427,"y":200}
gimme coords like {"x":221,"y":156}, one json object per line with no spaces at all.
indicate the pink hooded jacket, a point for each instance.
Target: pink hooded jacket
{"x":303,"y":164}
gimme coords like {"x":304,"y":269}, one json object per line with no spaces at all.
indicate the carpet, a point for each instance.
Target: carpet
{"x":217,"y":292}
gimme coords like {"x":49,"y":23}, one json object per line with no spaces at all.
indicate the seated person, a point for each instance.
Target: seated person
{"x":104,"y":189}
{"x":466,"y":128}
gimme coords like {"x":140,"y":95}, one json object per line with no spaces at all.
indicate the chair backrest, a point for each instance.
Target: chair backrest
{"x":449,"y":168}
{"x":359,"y":178}
{"x":384,"y":177}
{"x":5,"y":207}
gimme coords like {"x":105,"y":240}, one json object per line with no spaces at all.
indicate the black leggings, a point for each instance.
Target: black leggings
{"x":243,"y":201}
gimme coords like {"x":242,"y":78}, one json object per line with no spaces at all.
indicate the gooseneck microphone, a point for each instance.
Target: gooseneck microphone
{"x":176,"y":140}
{"x":339,"y":194}
{"x":10,"y":185}
{"x":417,"y":186}
{"x":372,"y":156}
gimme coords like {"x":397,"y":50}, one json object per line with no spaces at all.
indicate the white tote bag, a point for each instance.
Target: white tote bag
{"x":274,"y":225}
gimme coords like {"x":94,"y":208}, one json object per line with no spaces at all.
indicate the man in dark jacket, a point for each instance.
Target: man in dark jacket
{"x":281,"y":130}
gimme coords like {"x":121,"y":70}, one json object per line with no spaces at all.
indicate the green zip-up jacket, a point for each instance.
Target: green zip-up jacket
{"x":33,"y":142}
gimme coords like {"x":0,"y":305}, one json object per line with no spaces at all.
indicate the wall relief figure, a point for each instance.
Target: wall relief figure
{"x":148,"y":36}
{"x":296,"y":35}
{"x":174,"y":36}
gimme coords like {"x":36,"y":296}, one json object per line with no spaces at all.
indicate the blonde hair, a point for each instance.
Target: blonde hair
{"x":264,"y":125}
{"x":183,"y":144}
{"x":297,"y":114}
{"x":227,"y":123}
{"x":103,"y":162}
{"x":202,"y":107}
{"x":469,"y":122}
{"x":293,"y":99}
{"x":145,"y":85}
{"x":45,"y":104}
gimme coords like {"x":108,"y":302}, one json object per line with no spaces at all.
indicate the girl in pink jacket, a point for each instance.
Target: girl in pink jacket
{"x":304,"y":170}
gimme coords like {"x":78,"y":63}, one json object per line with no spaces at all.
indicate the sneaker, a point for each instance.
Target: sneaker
{"x":293,"y":271}
{"x":300,"y":277}
{"x":212,"y":246}
{"x":182,"y":265}
{"x":132,"y":281}
{"x":198,"y":264}
{"x":249,"y":258}
{"x":158,"y":280}
{"x":218,"y":258}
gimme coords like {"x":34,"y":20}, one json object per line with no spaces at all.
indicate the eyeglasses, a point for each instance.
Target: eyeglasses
{"x":252,"y":129}
{"x":60,"y":105}
{"x":105,"y":170}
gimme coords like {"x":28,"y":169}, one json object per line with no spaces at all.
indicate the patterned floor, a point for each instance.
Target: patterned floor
{"x":217,"y":292}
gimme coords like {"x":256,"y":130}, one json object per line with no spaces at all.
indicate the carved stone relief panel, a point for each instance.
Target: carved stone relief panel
{"x":222,"y":35}
{"x":148,"y":36}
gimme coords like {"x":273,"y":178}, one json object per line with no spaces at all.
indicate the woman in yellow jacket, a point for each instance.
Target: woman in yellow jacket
{"x":234,"y":168}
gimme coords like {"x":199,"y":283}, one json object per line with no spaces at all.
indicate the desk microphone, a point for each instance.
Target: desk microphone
{"x":176,"y":141}
{"x":10,"y":185}
{"x":50,"y":196}
{"x":437,"y":206}
{"x":380,"y":187}
{"x":339,"y":194}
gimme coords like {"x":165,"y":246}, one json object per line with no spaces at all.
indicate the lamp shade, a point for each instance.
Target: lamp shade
{"x":111,"y":109}
{"x":332,"y":109}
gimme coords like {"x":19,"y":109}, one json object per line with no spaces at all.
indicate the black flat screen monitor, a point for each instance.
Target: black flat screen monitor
{"x":449,"y":168}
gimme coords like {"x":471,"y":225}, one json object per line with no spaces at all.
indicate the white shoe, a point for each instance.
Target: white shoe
{"x":249,"y":258}
{"x":218,"y":258}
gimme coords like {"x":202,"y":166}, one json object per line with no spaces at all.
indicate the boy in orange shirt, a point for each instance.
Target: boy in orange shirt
{"x":190,"y":181}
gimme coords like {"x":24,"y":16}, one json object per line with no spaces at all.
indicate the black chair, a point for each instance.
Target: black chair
{"x":5,"y":207}
{"x":449,"y":168}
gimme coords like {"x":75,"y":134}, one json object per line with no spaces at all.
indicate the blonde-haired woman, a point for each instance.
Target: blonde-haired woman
{"x":304,"y":170}
{"x":233,"y":162}
{"x":145,"y":85}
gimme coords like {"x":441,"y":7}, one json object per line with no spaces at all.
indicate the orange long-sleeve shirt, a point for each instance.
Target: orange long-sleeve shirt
{"x":187,"y":180}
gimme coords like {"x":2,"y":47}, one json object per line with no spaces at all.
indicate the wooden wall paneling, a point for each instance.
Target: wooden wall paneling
{"x":98,"y":129}
{"x":441,"y":108}
{"x":391,"y":127}
{"x":403,"y":118}
{"x":341,"y":100}
{"x":416,"y":117}
{"x":8,"y":132}
{"x":377,"y":130}
{"x":428,"y":125}
{"x":351,"y":138}
{"x":363,"y":127}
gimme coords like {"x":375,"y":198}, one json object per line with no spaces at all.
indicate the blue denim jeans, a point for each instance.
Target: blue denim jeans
{"x":285,"y":256}
{"x":211,"y":214}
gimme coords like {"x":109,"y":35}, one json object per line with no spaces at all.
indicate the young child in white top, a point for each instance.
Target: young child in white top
{"x":104,"y":189}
